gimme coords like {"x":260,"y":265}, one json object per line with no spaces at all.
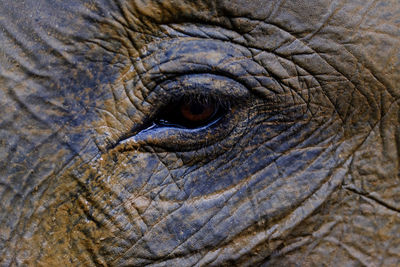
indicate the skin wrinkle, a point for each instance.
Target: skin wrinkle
{"x":199,"y":229}
{"x":246,"y":181}
{"x":116,"y":107}
{"x":298,"y":221}
{"x":112,"y":226}
{"x":40,"y":200}
{"x":36,"y":188}
{"x":167,"y":256}
{"x":355,"y":190}
{"x":108,"y":218}
{"x":333,"y":11}
{"x":162,"y":183}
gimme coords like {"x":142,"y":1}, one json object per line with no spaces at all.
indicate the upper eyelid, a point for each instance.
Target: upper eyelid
{"x":176,"y":57}
{"x":201,"y":85}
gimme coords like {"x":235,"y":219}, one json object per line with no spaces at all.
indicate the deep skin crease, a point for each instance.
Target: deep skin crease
{"x":302,"y":170}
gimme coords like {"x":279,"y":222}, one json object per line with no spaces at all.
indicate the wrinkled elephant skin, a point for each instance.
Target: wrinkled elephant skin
{"x":193,"y":133}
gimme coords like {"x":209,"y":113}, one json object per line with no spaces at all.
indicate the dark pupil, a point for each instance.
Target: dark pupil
{"x":197,"y":108}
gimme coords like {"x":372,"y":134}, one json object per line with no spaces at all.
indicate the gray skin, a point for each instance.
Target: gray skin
{"x":302,"y":168}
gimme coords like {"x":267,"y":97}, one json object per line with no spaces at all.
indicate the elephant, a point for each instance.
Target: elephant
{"x":199,"y":133}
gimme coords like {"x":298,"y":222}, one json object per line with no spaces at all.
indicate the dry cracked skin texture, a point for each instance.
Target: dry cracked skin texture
{"x":302,"y":169}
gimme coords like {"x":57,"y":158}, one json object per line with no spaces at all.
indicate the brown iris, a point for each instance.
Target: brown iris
{"x":197,"y":112}
{"x":189,"y":113}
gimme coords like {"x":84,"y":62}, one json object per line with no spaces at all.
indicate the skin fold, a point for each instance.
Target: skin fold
{"x":301,"y":170}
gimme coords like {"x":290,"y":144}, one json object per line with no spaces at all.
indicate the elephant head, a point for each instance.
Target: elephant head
{"x":193,"y":133}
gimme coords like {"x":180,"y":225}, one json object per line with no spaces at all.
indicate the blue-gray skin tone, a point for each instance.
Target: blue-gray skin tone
{"x":301,"y":166}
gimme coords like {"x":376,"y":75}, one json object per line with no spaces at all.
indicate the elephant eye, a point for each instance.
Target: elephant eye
{"x":191,"y":113}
